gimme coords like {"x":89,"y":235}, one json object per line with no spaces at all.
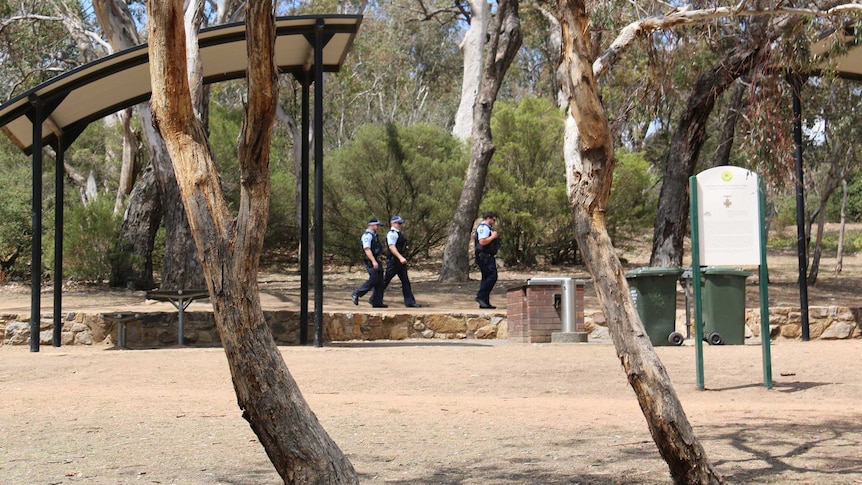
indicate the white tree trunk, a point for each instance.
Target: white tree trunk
{"x":472,"y":46}
{"x":192,"y":20}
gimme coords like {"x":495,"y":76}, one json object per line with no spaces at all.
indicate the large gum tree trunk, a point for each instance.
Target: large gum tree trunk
{"x":178,"y":270}
{"x":130,"y":268}
{"x":504,"y":44}
{"x":229,"y":247}
{"x":590,"y":165}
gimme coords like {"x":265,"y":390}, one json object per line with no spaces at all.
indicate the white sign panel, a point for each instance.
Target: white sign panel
{"x":728,"y":216}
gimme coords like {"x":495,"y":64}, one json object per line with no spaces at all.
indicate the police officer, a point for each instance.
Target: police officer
{"x":486,"y":243}
{"x":396,"y":264}
{"x":371,"y":249}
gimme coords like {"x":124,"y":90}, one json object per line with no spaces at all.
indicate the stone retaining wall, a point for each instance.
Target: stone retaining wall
{"x":159,"y":329}
{"x":828,"y":323}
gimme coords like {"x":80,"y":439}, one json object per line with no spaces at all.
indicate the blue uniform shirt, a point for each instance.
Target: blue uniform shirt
{"x":483,"y":231}
{"x":392,"y":237}
{"x":367,"y":238}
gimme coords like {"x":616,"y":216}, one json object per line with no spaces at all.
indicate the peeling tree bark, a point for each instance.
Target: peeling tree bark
{"x":589,"y":164}
{"x":229,"y":247}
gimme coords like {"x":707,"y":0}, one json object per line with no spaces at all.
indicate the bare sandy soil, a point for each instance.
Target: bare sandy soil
{"x":431,"y":413}
{"x":440,"y":412}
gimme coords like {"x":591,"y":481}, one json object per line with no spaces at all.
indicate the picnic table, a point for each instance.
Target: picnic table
{"x":180,"y":299}
{"x":121,"y":319}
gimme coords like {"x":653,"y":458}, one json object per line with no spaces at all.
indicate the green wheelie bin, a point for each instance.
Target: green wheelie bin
{"x":724,"y":305}
{"x":653,"y":292}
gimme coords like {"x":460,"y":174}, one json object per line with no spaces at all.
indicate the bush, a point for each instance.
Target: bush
{"x":91,"y":234}
{"x":527,"y":184}
{"x":414,"y":171}
{"x":634,"y":198}
{"x":15,"y":224}
{"x":281,"y":228}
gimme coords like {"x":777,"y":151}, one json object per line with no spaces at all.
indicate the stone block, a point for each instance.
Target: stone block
{"x":442,"y":323}
{"x":838,"y":330}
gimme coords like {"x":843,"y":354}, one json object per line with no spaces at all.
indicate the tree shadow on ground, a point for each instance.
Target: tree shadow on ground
{"x":764,"y":451}
{"x":826,"y":452}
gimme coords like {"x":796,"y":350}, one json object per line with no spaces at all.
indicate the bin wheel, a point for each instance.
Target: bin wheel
{"x":714,"y":338}
{"x":675,"y":338}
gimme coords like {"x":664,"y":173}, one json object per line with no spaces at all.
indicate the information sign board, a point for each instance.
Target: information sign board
{"x":729,"y":216}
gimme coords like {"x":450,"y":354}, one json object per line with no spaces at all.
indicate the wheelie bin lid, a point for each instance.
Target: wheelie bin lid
{"x":654,"y":271}
{"x":724,"y":270}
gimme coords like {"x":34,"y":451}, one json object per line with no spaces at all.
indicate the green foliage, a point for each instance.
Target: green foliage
{"x":787,"y":241}
{"x":15,"y":224}
{"x":634,"y":197}
{"x":33,"y":50}
{"x":414,"y":171}
{"x":527,"y":185}
{"x":403,"y":69}
{"x":91,"y":233}
{"x":282,"y":228}
{"x":224,"y":125}
{"x":853,"y":211}
{"x":785,"y":211}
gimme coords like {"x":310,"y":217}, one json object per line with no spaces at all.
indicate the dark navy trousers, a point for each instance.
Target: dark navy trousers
{"x":393,"y":268}
{"x":374,"y":284}
{"x":488,"y":266}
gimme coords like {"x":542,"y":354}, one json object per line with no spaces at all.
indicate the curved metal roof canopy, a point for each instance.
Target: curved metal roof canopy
{"x":848,"y":64}
{"x":57,"y":111}
{"x":112,"y":83}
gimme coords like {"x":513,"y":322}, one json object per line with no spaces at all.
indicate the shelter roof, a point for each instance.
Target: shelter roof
{"x":847,"y":64}
{"x":115,"y":82}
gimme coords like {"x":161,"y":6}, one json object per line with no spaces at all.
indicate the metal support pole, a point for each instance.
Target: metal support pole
{"x":801,"y":245}
{"x":567,"y":307}
{"x":58,"y":241}
{"x":318,"y":184}
{"x":764,"y":291}
{"x":695,"y":277}
{"x":304,"y":215}
{"x":36,"y":221}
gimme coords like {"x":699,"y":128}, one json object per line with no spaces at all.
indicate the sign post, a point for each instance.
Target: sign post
{"x":727,"y":227}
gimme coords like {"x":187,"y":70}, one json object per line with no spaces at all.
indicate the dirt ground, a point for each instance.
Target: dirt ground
{"x":431,"y":412}
{"x":439,"y":412}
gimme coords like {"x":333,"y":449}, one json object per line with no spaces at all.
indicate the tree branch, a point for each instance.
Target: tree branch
{"x":686,"y":15}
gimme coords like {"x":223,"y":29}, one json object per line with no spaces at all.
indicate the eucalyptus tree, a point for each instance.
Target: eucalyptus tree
{"x":144,"y":213}
{"x":758,"y":42}
{"x":405,"y":69}
{"x":34,"y":46}
{"x":229,"y":245}
{"x":590,"y":163}
{"x":836,"y":148}
{"x":502,"y":46}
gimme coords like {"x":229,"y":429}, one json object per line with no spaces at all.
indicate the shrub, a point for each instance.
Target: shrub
{"x":414,"y":171}
{"x":90,"y":236}
{"x":634,"y":198}
{"x":527,"y":184}
{"x":15,"y":224}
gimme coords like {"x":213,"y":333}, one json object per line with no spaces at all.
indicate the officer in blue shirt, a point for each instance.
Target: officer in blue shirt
{"x":396,"y":264}
{"x":486,"y":243}
{"x":371,"y":250}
